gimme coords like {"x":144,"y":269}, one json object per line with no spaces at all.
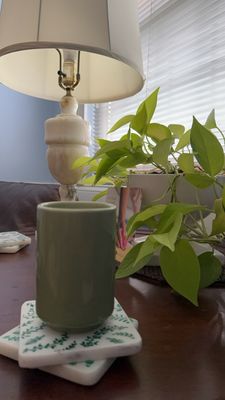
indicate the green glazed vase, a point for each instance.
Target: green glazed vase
{"x":75,"y":264}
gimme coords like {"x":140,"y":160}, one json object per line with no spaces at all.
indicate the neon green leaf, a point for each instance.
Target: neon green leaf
{"x":105,"y":165}
{"x":102,"y":142}
{"x":186,"y":163}
{"x":81,"y":162}
{"x":150,"y":104}
{"x":169,"y":238}
{"x":183,"y":208}
{"x":158,"y":132}
{"x":208,"y":150}
{"x":100,"y":195}
{"x":210,"y":267}
{"x":144,"y":113}
{"x":184,"y":141}
{"x":200,"y":180}
{"x":121,"y":122}
{"x":128,"y":267}
{"x":218,"y":225}
{"x":177,"y":129}
{"x":147,"y":249}
{"x":161,"y":152}
{"x":132,"y":160}
{"x":181,"y":269}
{"x":139,"y":218}
{"x":118,"y":145}
{"x":211,"y":121}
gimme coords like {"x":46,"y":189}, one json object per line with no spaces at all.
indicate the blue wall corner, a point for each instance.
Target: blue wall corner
{"x":22,"y":147}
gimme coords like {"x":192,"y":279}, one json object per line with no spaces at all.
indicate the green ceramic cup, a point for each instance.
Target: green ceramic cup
{"x":75,"y":264}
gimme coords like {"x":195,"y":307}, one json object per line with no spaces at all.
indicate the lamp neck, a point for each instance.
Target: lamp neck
{"x":68,"y":104}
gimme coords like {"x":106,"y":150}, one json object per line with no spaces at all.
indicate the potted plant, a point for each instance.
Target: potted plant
{"x":181,"y":161}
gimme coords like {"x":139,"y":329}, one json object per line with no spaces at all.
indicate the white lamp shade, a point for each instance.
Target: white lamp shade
{"x":106,"y":32}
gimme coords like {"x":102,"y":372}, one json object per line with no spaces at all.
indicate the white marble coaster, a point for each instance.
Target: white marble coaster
{"x":13,"y":238}
{"x":40,"y":345}
{"x":85,"y":373}
{"x":12,"y":249}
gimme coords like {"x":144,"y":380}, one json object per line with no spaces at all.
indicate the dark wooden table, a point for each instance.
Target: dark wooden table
{"x":183,"y":354}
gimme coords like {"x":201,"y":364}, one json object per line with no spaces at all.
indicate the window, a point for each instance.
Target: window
{"x":183,"y":47}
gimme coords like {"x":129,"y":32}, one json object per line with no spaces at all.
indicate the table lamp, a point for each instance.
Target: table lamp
{"x":93,"y":46}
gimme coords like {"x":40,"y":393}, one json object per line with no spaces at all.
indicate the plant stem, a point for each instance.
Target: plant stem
{"x":149,"y":142}
{"x":145,"y":146}
{"x":129,"y":138}
{"x":207,"y":240}
{"x":191,"y":228}
{"x":197,"y":223}
{"x":173,"y":187}
{"x":201,"y":216}
{"x":172,"y":154}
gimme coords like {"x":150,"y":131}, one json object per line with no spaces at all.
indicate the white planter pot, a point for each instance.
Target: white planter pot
{"x":154,"y":186}
{"x":156,"y":189}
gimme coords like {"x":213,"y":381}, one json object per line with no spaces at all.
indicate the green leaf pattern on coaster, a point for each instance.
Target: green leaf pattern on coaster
{"x":87,"y":363}
{"x":88,"y":372}
{"x":89,"y":340}
{"x":14,"y":337}
{"x":38,"y":340}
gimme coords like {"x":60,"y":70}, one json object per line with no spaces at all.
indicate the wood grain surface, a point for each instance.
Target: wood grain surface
{"x":183,"y":354}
